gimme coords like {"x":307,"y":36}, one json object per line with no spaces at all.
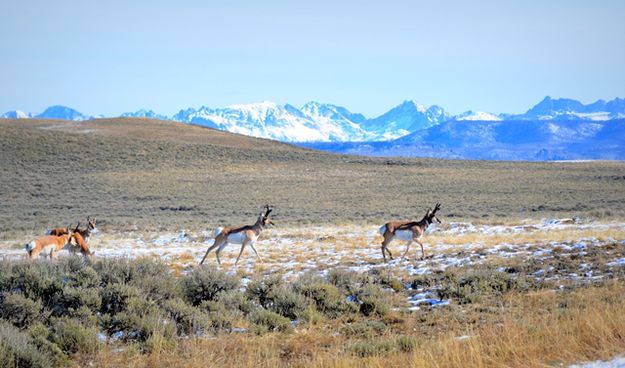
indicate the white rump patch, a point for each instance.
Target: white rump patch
{"x":218,"y":231}
{"x":382,"y":229}
{"x":30,"y":246}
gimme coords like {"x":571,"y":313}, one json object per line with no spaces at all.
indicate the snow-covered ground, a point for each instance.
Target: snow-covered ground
{"x":293,"y":251}
{"x":618,"y":362}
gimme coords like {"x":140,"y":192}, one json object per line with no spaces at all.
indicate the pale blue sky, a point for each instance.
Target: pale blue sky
{"x":111,"y":57}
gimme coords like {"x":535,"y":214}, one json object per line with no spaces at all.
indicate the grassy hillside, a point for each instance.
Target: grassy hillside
{"x":157,"y":174}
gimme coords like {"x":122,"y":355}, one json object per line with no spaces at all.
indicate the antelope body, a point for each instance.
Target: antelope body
{"x":79,"y":242}
{"x":59,"y":231}
{"x":243,"y":235}
{"x":48,"y":245}
{"x":409,"y":231}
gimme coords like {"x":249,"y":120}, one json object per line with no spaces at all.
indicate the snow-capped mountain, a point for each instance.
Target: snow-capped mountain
{"x":409,"y":116}
{"x":280,"y":122}
{"x":319,"y":122}
{"x":316,"y":109}
{"x":143,"y":114}
{"x":62,"y":112}
{"x":568,"y":109}
{"x":477,"y":115}
{"x":528,"y":140}
{"x":16,"y":114}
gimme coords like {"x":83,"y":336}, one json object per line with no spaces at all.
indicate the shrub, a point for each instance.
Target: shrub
{"x":152,"y":322}
{"x":5,"y":276}
{"x":364,"y":328}
{"x":235,"y":302}
{"x":424,"y":281}
{"x":72,"y":337}
{"x":372,"y":300}
{"x":287,"y":303}
{"x":155,"y":279}
{"x":188,"y":319}
{"x":115,"y":297}
{"x":407,"y":344}
{"x":261,"y":290}
{"x":479,"y":283}
{"x":17,"y":350}
{"x":86,"y":277}
{"x":371,"y":348}
{"x":219,"y":314}
{"x":72,"y":301}
{"x":326,"y":297}
{"x":114,"y":270}
{"x":204,"y":283}
{"x":39,"y":336}
{"x":18,"y":310}
{"x":266,"y":320}
{"x":346,"y":281}
{"x":384,"y":278}
{"x":34,"y":281}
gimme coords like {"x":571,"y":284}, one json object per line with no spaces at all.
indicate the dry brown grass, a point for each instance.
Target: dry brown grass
{"x":537,"y":329}
{"x":560,"y":236}
{"x":153,"y":175}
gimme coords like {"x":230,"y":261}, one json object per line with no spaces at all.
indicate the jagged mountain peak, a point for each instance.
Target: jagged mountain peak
{"x":476,"y":115}
{"x":16,"y":114}
{"x":143,"y":113}
{"x":61,"y":112}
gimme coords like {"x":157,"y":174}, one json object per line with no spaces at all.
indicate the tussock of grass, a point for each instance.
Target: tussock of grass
{"x":536,"y":329}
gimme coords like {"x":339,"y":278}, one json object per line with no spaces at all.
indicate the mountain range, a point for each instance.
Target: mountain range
{"x":552,"y":129}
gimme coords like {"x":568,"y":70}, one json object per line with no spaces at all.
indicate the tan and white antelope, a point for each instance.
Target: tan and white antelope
{"x":244,"y":235}
{"x":91,"y":229}
{"x":79,"y":238}
{"x":410,"y":231}
{"x":48,"y":245}
{"x":78,"y":242}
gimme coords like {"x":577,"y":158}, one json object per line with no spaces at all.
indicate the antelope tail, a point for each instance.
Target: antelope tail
{"x":30,"y":246}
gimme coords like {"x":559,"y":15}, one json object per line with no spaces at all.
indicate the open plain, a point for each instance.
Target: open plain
{"x":526,"y":269}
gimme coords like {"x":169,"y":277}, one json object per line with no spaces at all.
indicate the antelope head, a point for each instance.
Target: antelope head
{"x":91,"y":224}
{"x":264,"y":216}
{"x":432,"y":214}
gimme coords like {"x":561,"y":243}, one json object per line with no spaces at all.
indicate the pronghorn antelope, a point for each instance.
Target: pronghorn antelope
{"x":86,"y":233}
{"x":407,"y":230}
{"x":244,"y":235}
{"x":80,"y":237}
{"x":48,"y":245}
{"x":77,"y":240}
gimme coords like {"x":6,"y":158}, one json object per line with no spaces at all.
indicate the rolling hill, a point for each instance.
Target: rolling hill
{"x":150,"y":174}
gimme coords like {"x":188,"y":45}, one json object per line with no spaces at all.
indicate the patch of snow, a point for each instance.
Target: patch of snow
{"x":617,"y":362}
{"x":618,"y":262}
